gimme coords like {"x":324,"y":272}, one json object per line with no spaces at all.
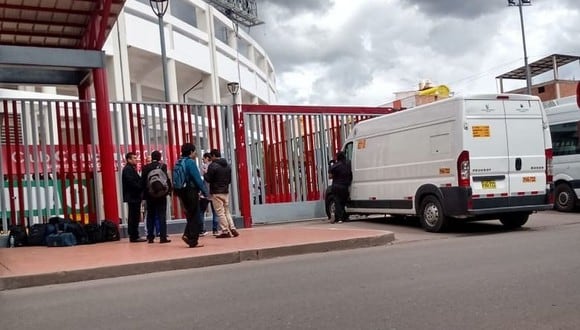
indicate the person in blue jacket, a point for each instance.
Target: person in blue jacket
{"x":189,"y":195}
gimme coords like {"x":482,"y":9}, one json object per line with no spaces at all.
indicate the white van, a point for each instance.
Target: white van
{"x":564,"y":122}
{"x":473,"y":158}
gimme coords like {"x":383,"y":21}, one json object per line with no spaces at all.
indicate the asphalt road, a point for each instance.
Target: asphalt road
{"x":480,"y":277}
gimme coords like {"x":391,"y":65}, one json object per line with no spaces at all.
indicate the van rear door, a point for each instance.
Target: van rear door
{"x":526,"y":147}
{"x":485,"y":138}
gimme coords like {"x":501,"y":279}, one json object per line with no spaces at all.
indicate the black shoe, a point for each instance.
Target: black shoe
{"x":150,"y":240}
{"x":164,"y":240}
{"x":137,"y":240}
{"x":235,"y":233}
{"x":224,"y":235}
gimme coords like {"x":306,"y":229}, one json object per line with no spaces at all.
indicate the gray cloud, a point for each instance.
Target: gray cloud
{"x":294,"y":6}
{"x":400,"y":42}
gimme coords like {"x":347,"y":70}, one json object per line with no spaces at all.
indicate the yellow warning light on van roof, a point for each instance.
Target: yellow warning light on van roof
{"x":480,"y":131}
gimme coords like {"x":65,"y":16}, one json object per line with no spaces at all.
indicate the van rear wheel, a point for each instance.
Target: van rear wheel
{"x":432,"y":217}
{"x":565,"y":198}
{"x":515,"y":220}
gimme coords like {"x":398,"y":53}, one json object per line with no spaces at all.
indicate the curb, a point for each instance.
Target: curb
{"x":27,"y":281}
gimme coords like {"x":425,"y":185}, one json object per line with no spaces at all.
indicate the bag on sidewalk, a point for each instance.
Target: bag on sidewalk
{"x":109,"y":231}
{"x":61,"y":239}
{"x":37,"y":234}
{"x":19,"y":234}
{"x":94,"y":233}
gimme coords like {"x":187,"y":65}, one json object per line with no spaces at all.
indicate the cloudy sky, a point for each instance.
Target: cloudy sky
{"x":333,"y":52}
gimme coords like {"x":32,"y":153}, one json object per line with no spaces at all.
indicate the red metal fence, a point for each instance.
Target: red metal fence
{"x":51,"y":164}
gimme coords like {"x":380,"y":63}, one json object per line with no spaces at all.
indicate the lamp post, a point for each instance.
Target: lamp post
{"x":521,"y":3}
{"x":234,"y":89}
{"x":159,"y":8}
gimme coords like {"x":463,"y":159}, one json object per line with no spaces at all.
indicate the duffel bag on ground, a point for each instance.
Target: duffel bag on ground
{"x":37,"y":234}
{"x":61,"y":239}
{"x":94,"y":233}
{"x":18,"y":236}
{"x":110,"y":231}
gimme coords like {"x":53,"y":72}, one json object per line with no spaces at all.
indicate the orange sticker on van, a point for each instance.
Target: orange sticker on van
{"x":444,"y":170}
{"x":480,"y":131}
{"x":361,"y":144}
{"x":529,"y":179}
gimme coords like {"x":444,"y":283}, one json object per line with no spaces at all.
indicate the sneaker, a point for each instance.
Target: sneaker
{"x":224,"y":235}
{"x":235,"y":233}
{"x":203,"y":233}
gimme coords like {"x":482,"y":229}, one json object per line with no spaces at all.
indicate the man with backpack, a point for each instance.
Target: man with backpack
{"x":156,"y":186}
{"x":219,"y":176}
{"x":187,"y":184}
{"x":132,"y":191}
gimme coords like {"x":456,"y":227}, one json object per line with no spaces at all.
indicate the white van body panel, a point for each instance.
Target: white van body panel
{"x":394,"y":157}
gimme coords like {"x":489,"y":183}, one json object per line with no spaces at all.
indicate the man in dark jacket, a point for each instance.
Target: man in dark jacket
{"x":219,"y":177}
{"x":341,"y":175}
{"x":132,"y":194}
{"x":156,"y":205}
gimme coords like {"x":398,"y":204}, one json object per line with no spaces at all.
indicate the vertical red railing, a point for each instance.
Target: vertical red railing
{"x":285,"y":173}
{"x":10,"y":170}
{"x":266,"y":169}
{"x":140,"y":116}
{"x":277,"y":159}
{"x":241,"y":156}
{"x":84,"y":95}
{"x":272,"y":167}
{"x":70,"y":170}
{"x":63,"y":174}
{"x":19,"y":161}
{"x":79,"y":169}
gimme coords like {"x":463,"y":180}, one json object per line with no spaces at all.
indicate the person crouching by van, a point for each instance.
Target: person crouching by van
{"x":156,"y":186}
{"x":341,"y":175}
{"x":219,"y":177}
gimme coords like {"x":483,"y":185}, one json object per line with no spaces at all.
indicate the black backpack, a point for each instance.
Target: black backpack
{"x":94,"y":233}
{"x":37,"y":234}
{"x":109,"y":231}
{"x":18,"y":233}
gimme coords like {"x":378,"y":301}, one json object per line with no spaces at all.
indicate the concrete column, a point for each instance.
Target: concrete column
{"x":172,"y":81}
{"x":118,"y":65}
{"x":214,"y":78}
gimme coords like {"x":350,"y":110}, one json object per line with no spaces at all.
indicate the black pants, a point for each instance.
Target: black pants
{"x":157,"y":208}
{"x":340,"y":193}
{"x":189,"y":198}
{"x":133,"y":218}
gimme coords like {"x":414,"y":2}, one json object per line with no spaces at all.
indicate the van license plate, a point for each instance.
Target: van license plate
{"x":488,"y":184}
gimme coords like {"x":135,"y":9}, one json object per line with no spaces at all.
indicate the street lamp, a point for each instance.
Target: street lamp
{"x":234,"y":88}
{"x":521,"y":3}
{"x":159,"y":8}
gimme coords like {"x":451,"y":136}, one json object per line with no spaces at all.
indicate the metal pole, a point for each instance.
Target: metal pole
{"x":163,"y":57}
{"x":528,"y":74}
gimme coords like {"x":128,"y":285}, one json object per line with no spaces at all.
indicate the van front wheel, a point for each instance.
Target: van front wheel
{"x":515,"y":220}
{"x":432,"y":217}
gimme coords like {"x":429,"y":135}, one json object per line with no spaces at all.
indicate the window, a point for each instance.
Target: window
{"x":565,"y":138}
{"x":348,"y":151}
{"x":184,"y":11}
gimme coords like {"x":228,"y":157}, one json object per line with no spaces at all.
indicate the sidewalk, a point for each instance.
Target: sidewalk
{"x":35,"y":266}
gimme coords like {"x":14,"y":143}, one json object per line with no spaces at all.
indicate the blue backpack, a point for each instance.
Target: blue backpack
{"x":179,"y":175}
